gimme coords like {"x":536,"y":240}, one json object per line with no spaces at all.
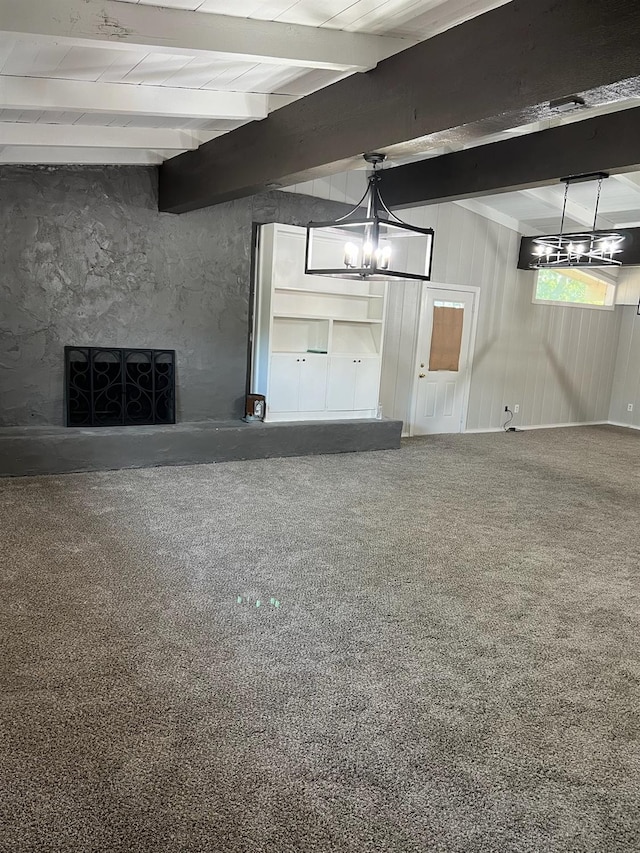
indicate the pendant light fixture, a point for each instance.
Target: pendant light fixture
{"x":585,"y":249}
{"x":375,"y":247}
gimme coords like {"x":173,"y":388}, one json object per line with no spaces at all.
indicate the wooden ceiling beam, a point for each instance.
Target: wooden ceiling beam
{"x":36,"y":93}
{"x":53,"y":155}
{"x":495,"y":72}
{"x":607,"y":143}
{"x":21,"y":133}
{"x":127,"y":26}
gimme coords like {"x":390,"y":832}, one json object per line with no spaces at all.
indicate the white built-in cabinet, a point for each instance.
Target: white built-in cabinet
{"x":317,"y":341}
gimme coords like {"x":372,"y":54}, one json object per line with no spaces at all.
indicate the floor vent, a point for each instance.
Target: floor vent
{"x":119,"y":387}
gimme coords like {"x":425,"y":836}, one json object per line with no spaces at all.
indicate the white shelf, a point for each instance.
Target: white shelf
{"x":356,"y":338}
{"x":355,"y":354}
{"x":356,"y":320}
{"x":324,"y":317}
{"x":328,"y":293}
{"x":299,"y":334}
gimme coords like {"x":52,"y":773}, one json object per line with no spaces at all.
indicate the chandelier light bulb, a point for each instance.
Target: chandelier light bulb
{"x":383,"y":257}
{"x":350,"y":255}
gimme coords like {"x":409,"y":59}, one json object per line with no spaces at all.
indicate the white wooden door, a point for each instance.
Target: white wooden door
{"x":443,"y":365}
{"x":313,"y":383}
{"x":367,"y":389}
{"x":342,"y":383}
{"x":284,"y":383}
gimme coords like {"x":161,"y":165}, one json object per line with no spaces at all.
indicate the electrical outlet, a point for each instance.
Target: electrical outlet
{"x":629,"y":407}
{"x":516,"y":409}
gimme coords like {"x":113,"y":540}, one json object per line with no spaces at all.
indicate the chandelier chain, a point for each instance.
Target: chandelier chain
{"x":564,"y":207}
{"x":595,"y":213}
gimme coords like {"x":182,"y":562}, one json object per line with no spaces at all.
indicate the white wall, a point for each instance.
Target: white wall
{"x":628,"y":289}
{"x":557,"y":363}
{"x":626,"y":384}
{"x":348,"y":187}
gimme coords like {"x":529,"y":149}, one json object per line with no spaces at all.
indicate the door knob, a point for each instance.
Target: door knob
{"x":421,"y":375}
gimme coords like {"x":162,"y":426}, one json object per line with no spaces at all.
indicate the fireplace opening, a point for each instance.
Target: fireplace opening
{"x":119,"y":387}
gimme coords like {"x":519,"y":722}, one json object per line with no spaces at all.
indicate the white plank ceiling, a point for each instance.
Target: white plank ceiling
{"x":417,"y":19}
{"x":539,"y":211}
{"x":165,"y":77}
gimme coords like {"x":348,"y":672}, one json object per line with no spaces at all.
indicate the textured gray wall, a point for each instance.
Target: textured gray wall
{"x":85,"y":258}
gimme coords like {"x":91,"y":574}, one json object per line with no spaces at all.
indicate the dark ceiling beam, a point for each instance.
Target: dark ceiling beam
{"x":495,"y":72}
{"x":607,"y":143}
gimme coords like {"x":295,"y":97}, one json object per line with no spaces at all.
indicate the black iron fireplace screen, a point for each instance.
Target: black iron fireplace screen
{"x":115,"y":387}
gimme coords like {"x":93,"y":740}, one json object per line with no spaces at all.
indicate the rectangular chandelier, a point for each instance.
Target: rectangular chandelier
{"x":376,"y":250}
{"x":378,"y":246}
{"x":586,"y":249}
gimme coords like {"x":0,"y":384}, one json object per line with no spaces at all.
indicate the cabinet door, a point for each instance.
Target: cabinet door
{"x":284,"y":383}
{"x":342,"y":383}
{"x":313,"y":383}
{"x":367,"y":384}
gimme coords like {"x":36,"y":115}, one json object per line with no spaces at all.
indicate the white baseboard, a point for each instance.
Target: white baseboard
{"x":562,"y":426}
{"x":482,"y":431}
{"x":626,"y":426}
{"x":544,"y":426}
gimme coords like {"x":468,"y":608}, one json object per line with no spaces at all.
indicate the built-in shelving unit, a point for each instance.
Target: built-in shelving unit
{"x":317,"y":343}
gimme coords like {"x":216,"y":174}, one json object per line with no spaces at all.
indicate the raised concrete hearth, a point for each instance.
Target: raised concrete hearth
{"x":61,"y":450}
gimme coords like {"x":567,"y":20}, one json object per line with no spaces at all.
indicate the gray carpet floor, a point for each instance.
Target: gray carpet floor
{"x":454,"y":664}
